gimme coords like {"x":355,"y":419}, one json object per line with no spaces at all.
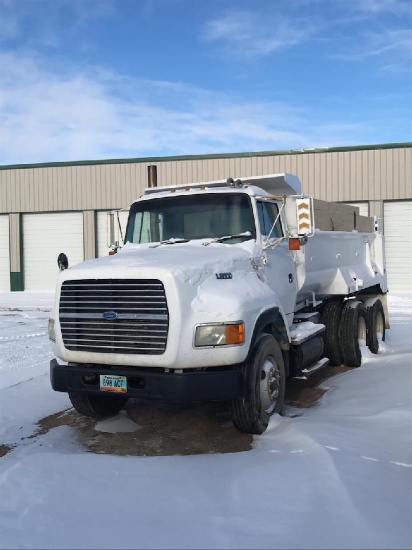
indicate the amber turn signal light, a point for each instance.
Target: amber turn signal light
{"x":235,"y":334}
{"x":294,"y":244}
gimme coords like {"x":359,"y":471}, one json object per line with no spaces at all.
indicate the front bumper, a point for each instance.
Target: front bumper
{"x":210,"y":385}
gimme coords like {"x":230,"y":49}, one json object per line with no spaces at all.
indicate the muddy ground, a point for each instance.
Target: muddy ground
{"x":154,"y":429}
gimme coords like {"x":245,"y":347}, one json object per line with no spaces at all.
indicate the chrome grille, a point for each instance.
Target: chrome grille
{"x":142,"y":319}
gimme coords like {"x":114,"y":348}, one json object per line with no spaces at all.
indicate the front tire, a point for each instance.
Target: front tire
{"x":97,"y":406}
{"x":352,"y":332}
{"x":265,"y":388}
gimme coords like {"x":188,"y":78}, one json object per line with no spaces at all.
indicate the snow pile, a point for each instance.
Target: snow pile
{"x":189,"y":262}
{"x":118,"y":424}
{"x":304,"y":330}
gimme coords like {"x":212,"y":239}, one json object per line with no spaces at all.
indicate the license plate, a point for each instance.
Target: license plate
{"x":113,"y":383}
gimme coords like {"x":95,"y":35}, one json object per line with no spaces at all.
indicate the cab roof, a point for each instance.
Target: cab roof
{"x":271,"y":184}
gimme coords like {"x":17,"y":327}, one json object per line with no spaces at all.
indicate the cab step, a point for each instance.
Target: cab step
{"x":308,"y":372}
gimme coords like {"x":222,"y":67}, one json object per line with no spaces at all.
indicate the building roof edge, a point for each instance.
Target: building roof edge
{"x":151,"y":160}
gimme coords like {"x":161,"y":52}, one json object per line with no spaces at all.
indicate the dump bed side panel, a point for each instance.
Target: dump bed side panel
{"x":341,"y":263}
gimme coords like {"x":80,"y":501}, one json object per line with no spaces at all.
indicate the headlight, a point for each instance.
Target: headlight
{"x":52,"y":334}
{"x":220,"y":334}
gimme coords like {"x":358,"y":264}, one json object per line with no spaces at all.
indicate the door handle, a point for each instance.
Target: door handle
{"x":291,"y":277}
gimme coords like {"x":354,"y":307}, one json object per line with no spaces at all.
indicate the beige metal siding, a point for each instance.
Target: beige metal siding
{"x":89,"y":236}
{"x":358,"y":175}
{"x":376,"y":209}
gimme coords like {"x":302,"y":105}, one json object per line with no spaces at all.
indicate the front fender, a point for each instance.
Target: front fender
{"x":272,"y":321}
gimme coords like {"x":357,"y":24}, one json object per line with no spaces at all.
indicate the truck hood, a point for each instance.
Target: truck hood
{"x":190,"y":262}
{"x":194,"y":296}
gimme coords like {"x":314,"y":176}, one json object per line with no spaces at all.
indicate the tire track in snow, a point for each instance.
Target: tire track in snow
{"x":403,"y":464}
{"x":330,"y":448}
{"x":23,"y":337}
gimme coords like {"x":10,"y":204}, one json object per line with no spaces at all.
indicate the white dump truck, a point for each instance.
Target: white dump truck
{"x":221,"y":291}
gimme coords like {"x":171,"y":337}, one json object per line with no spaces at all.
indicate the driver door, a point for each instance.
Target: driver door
{"x":280,"y":268}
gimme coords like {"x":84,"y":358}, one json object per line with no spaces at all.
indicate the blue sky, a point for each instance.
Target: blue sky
{"x":94,"y":79}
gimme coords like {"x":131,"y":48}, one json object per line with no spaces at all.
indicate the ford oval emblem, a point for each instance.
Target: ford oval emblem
{"x":110,"y":315}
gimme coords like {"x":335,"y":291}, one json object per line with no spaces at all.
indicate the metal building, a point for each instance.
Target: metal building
{"x":58,"y":207}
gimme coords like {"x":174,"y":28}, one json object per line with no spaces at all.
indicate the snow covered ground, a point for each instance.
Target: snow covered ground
{"x":337,"y":476}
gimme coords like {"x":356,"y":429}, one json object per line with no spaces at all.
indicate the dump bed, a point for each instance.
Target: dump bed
{"x":332,"y":216}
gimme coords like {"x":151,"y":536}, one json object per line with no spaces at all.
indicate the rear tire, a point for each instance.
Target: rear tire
{"x":352,"y":332}
{"x":97,"y":406}
{"x":375,"y":324}
{"x":265,"y":388}
{"x":331,"y":315}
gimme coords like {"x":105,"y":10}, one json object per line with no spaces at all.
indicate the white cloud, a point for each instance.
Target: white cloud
{"x":44,"y":21}
{"x":365,"y":28}
{"x":367,"y":7}
{"x":47,"y":115}
{"x":256,"y":34}
{"x":399,"y":40}
{"x":397,"y":7}
{"x":392,"y":46}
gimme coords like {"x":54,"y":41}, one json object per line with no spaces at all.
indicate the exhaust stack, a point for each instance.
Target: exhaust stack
{"x":152,"y":175}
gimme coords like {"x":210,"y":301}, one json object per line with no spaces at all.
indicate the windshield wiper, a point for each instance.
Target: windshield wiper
{"x":227,"y":237}
{"x":172,"y":240}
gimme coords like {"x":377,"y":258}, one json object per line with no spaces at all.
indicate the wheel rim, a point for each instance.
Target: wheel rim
{"x":380,"y":327}
{"x":361,"y":331}
{"x":269,"y":385}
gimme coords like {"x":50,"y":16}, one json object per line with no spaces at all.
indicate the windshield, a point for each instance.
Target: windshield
{"x":191,"y":217}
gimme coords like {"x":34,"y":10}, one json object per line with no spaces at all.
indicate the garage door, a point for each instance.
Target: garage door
{"x":363,"y":207}
{"x":397,"y":221}
{"x":4,"y":254}
{"x":102,"y":248}
{"x":44,"y":237}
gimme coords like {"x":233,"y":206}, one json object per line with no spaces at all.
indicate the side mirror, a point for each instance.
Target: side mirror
{"x":116,"y":224}
{"x":62,"y":261}
{"x":111,"y":239}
